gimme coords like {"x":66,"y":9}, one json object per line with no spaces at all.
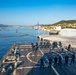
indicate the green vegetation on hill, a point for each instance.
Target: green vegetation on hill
{"x":66,"y":21}
{"x":64,"y":24}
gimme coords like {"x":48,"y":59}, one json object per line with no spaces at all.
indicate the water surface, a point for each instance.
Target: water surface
{"x":5,"y":43}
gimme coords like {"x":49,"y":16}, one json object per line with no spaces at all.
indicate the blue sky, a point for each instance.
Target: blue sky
{"x":29,"y":12}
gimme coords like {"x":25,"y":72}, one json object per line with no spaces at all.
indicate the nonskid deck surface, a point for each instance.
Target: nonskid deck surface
{"x":28,"y":62}
{"x":31,"y":63}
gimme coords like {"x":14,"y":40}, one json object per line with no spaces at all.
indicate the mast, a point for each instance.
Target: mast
{"x":38,"y":28}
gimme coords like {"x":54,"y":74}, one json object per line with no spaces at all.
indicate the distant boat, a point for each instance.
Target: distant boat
{"x":36,"y":27}
{"x":53,"y":32}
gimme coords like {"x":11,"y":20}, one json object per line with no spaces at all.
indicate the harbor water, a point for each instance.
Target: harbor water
{"x":20,"y":35}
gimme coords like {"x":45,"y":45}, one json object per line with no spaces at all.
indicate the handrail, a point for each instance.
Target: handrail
{"x":6,"y":54}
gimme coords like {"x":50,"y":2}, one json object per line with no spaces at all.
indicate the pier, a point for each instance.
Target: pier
{"x":65,"y":40}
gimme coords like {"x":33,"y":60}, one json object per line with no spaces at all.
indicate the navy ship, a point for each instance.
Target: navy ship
{"x":34,"y":59}
{"x":53,"y":32}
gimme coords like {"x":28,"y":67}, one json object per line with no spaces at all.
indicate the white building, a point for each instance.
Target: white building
{"x":68,"y":32}
{"x":58,"y":28}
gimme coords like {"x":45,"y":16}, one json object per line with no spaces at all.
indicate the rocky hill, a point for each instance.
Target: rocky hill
{"x":64,"y":24}
{"x":2,"y":25}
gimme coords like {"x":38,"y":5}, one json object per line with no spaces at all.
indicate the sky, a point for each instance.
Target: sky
{"x":29,"y":12}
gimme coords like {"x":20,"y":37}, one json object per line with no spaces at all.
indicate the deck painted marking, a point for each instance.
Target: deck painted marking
{"x":22,"y":56}
{"x":51,"y":66}
{"x":55,"y":70}
{"x":30,"y":67}
{"x":28,"y":55}
{"x":22,"y":50}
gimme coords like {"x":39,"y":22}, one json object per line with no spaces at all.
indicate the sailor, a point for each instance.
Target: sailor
{"x":36,"y":46}
{"x":72,"y":59}
{"x":10,"y":67}
{"x":3,"y":69}
{"x":69,"y":46}
{"x":53,"y":45}
{"x":62,"y":49}
{"x":44,"y":45}
{"x":60,"y":61}
{"x":40,"y":44}
{"x":55,"y":61}
{"x":47,"y":44}
{"x":66,"y":60}
{"x":50,"y":62}
{"x":42,"y":63}
{"x":60,"y":44}
{"x":3,"y":61}
{"x":33,"y":46}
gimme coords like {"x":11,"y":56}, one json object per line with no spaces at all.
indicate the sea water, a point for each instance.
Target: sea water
{"x":12,"y":35}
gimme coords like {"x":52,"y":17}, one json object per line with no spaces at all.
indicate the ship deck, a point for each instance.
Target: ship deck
{"x":28,"y":62}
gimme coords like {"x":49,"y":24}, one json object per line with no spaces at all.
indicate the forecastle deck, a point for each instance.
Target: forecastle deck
{"x":25,"y":61}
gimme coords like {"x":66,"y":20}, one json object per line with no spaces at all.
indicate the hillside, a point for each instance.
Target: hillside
{"x":64,"y":24}
{"x":2,"y":25}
